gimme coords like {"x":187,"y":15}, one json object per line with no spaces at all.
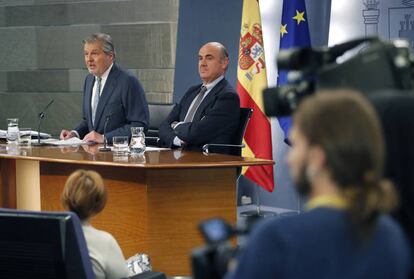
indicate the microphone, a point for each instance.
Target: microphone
{"x":105,"y":148}
{"x":41,"y":115}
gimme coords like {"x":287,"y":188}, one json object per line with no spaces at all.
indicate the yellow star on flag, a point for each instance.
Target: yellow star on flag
{"x":283,"y":30}
{"x":299,"y":16}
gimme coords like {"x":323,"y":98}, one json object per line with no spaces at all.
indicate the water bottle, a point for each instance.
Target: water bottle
{"x":13,"y":134}
{"x":137,"y":145}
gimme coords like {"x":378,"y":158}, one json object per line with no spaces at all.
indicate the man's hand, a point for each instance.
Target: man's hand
{"x":94,"y":137}
{"x":174,"y":124}
{"x":65,"y":134}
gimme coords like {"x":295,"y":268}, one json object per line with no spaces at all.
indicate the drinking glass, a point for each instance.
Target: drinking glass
{"x":120,"y":144}
{"x":137,"y":145}
{"x":13,"y":130}
{"x":120,"y":157}
{"x":25,"y":136}
{"x":13,"y":149}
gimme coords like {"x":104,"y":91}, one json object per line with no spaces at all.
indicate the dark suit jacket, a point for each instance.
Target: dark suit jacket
{"x":215,"y":121}
{"x":122,"y":99}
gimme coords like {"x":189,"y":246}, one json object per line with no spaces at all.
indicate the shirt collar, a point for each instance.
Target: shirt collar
{"x":332,"y":201}
{"x":106,"y":73}
{"x":213,"y":83}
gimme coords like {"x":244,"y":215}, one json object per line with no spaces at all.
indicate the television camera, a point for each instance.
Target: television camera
{"x":367,"y":65}
{"x":212,"y":260}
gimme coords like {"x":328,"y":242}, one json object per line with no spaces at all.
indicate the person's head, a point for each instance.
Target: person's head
{"x":213,"y":61}
{"x":84,"y":194}
{"x":336,"y":133}
{"x":336,"y":137}
{"x":99,"y":53}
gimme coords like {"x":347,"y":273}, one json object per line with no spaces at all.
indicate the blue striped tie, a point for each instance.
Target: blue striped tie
{"x":196,"y":103}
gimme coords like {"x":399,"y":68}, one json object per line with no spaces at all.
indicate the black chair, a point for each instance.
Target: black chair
{"x":237,"y":143}
{"x":158,"y":113}
{"x":236,"y":149}
{"x":42,"y":245}
{"x":46,"y":245}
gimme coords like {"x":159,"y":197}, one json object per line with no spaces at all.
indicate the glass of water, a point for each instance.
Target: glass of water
{"x":13,"y":130}
{"x":120,"y":144}
{"x":25,"y":136}
{"x":137,"y":145}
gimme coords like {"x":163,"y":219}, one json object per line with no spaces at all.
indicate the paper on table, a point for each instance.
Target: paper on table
{"x":151,"y":148}
{"x":71,"y":141}
{"x":3,"y":134}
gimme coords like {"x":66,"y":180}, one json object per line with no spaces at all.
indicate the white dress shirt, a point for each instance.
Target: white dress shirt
{"x":104,"y":77}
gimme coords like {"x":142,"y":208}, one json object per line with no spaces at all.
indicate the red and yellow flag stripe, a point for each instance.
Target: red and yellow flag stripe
{"x":252,"y":79}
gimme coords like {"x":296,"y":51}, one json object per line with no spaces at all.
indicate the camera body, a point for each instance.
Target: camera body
{"x":377,"y":65}
{"x":212,"y":260}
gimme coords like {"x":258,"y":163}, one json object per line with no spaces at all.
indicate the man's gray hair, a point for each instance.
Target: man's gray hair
{"x":224,"y":52}
{"x":107,"y":43}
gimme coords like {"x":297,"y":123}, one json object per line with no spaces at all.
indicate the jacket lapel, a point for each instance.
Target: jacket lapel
{"x":188,"y":101}
{"x":109,"y":87}
{"x":209,"y":99}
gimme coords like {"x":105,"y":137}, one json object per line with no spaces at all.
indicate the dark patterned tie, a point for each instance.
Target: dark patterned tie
{"x":95,"y":101}
{"x":197,"y":101}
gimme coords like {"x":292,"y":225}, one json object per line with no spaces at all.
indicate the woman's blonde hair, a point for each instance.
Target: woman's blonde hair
{"x":84,"y":194}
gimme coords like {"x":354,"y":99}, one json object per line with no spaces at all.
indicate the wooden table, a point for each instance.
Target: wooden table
{"x":155,"y":202}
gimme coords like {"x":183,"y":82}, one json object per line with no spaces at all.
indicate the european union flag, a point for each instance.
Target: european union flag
{"x":294,"y":32}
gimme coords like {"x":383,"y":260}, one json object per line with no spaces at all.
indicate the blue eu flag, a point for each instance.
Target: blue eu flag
{"x":294,"y":32}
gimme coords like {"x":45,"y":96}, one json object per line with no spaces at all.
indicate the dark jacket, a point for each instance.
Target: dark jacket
{"x":122,"y":100}
{"x":215,"y":121}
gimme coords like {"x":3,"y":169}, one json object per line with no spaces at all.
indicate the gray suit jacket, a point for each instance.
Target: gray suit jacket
{"x":122,"y":102}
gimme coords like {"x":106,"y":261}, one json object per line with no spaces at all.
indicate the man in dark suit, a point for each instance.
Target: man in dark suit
{"x":208,"y":112}
{"x":111,"y":95}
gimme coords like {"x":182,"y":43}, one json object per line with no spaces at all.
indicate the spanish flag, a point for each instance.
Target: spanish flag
{"x":251,"y":80}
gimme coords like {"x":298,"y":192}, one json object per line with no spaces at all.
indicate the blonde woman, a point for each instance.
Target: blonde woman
{"x":86,"y":195}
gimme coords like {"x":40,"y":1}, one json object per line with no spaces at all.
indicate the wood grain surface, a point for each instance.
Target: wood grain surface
{"x":155,"y":202}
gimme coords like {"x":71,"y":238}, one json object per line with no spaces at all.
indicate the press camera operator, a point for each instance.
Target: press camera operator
{"x":336,"y":161}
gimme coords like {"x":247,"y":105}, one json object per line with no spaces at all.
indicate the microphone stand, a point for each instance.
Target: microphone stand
{"x":41,"y":116}
{"x":105,"y":148}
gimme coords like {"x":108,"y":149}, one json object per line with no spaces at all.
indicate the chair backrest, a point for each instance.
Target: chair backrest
{"x":245,"y":115}
{"x":43,"y":245}
{"x":158,"y":113}
{"x":236,"y":145}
